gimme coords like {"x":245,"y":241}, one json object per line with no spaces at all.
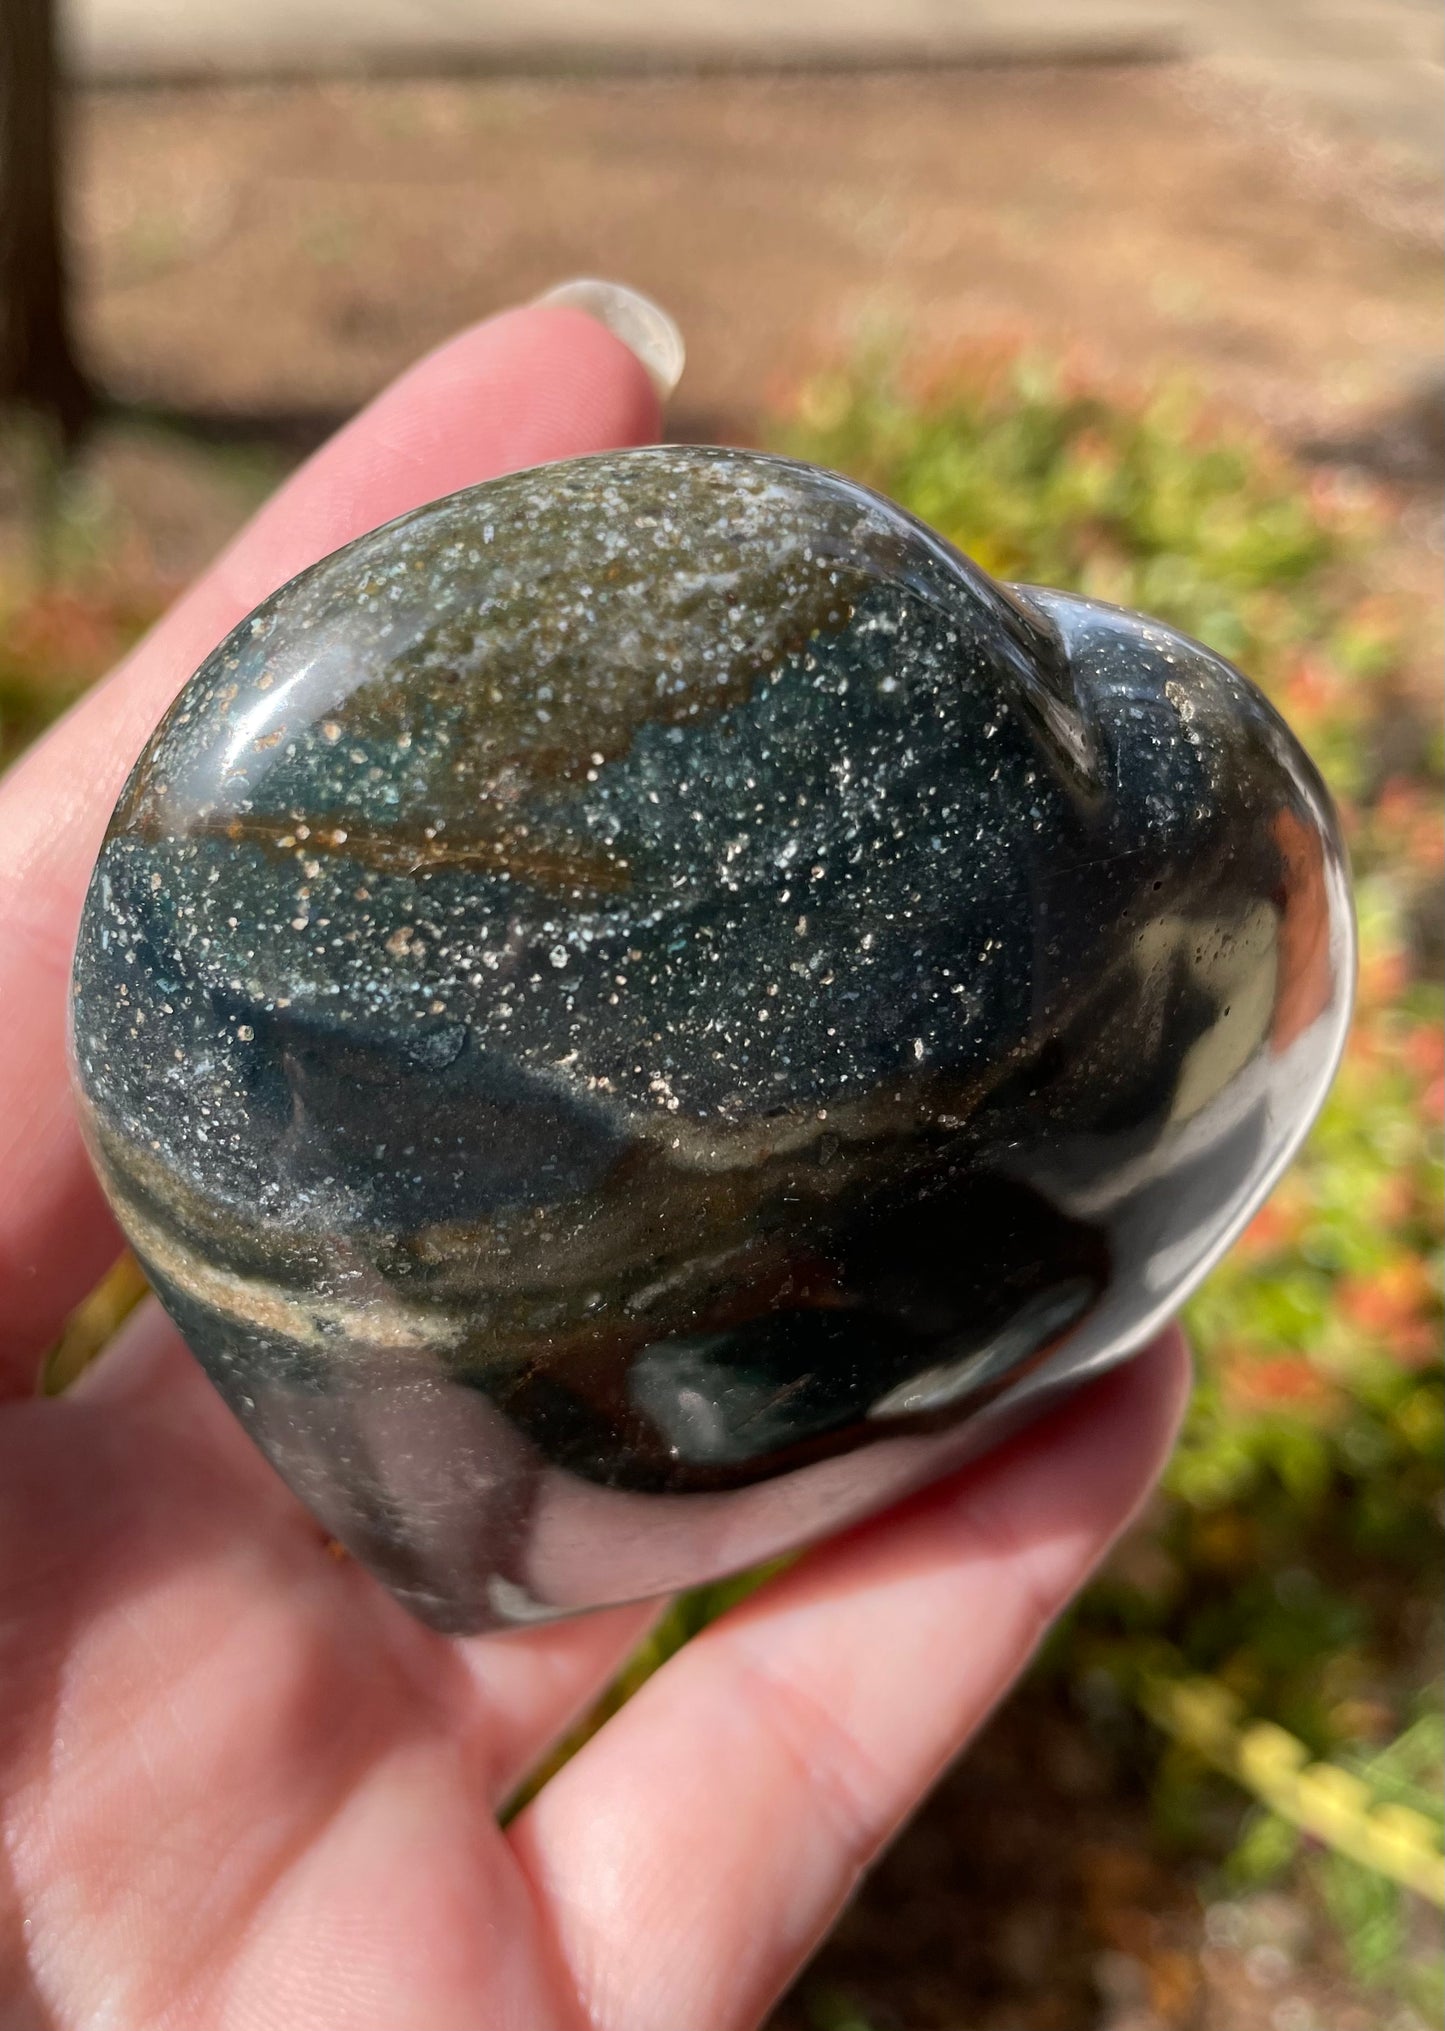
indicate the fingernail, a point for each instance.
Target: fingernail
{"x":643,"y":326}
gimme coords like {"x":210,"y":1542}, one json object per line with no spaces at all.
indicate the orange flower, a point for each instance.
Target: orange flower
{"x":1310,"y":689}
{"x":1254,"y":1382}
{"x":1396,"y":1306}
{"x":1394,"y":1200}
{"x":1275,"y":1227}
{"x":1422,"y":1052}
{"x":1384,"y":976}
{"x":1412,"y":823}
{"x":1279,"y":1382}
{"x":1399,"y":801}
{"x":1366,"y":1047}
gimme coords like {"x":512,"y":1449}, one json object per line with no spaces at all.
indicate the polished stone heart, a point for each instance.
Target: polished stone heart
{"x":641,"y":1011}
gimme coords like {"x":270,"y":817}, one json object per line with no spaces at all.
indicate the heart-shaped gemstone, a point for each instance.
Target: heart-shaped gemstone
{"x":642,"y":1010}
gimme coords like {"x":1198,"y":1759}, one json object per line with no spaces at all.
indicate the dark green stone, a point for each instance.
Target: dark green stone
{"x":643,"y":1009}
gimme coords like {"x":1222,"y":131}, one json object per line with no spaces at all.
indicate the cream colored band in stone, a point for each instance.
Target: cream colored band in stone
{"x":326,"y":1324}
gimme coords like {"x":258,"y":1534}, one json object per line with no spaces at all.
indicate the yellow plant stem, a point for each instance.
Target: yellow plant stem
{"x":1333,"y":1805}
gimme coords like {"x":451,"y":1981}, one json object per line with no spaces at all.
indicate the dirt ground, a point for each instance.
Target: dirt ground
{"x":273,"y":254}
{"x":256,"y":261}
{"x":1033,"y":1893}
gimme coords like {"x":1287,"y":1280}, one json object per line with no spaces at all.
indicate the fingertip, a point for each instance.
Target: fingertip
{"x":1170,"y":1371}
{"x":1143,"y":1401}
{"x":540,"y":382}
{"x":1049,"y":1504}
{"x":594,"y":370}
{"x":1113,"y":1428}
{"x":1068,"y":1483}
{"x":641,"y":323}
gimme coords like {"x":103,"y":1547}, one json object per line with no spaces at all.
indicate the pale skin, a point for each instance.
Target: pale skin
{"x":239,"y":1787}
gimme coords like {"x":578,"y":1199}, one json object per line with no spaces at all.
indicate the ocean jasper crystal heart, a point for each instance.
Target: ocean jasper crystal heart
{"x":641,"y":1011}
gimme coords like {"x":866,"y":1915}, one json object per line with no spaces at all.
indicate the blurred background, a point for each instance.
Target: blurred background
{"x":1138,"y":296}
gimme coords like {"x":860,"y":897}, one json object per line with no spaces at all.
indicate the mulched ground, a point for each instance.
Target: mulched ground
{"x":1035,"y":1893}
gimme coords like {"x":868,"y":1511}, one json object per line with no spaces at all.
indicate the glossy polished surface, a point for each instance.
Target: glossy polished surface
{"x":641,"y":1011}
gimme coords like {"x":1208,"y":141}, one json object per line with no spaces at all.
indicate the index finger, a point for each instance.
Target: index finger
{"x":544,"y":382}
{"x":694,"y":1852}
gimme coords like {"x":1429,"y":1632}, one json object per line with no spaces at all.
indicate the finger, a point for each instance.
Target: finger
{"x":204,"y":1506}
{"x":696,"y":1850}
{"x":539,"y":383}
{"x":224,"y":1753}
{"x":532,"y":1686}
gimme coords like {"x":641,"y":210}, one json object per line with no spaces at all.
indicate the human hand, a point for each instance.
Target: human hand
{"x":239,"y":1786}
